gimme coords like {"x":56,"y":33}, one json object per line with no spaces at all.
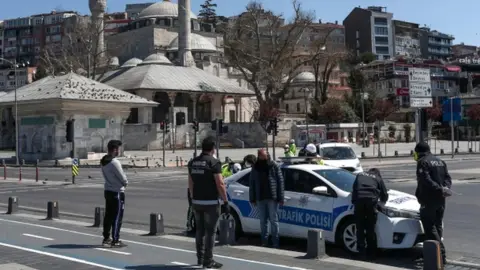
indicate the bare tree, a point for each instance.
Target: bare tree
{"x":262,"y":47}
{"x":382,"y":109}
{"x":78,"y":50}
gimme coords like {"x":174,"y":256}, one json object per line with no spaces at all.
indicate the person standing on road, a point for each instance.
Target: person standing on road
{"x":267,"y":193}
{"x":433,"y":187}
{"x":206,"y":185}
{"x":368,"y":188}
{"x":115,"y":184}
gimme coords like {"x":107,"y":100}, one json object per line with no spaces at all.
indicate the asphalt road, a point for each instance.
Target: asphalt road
{"x":164,"y":191}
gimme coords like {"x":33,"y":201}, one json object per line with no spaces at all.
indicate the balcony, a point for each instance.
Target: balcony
{"x":438,"y":43}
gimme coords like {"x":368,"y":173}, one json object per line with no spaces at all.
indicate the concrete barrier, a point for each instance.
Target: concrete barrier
{"x":52,"y":210}
{"x":315,"y":244}
{"x":432,"y":257}
{"x":156,"y":224}
{"x":227,"y":231}
{"x":12,"y":205}
{"x":98,"y":217}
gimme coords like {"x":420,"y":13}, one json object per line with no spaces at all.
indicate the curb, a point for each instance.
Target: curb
{"x":463,"y":264}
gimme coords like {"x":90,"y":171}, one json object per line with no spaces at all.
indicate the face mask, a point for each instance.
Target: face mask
{"x":415,"y":156}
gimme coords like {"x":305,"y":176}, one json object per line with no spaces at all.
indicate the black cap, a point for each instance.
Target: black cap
{"x":112,"y":144}
{"x":422,"y":147}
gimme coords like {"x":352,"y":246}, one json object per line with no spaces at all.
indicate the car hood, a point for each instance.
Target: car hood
{"x":402,"y":201}
{"x":342,"y":163}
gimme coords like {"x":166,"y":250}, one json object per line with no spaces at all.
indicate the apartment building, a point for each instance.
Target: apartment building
{"x":370,"y":30}
{"x":1,"y":40}
{"x":407,"y":39}
{"x":462,"y":50}
{"x":390,"y":79}
{"x":436,"y":45}
{"x":115,"y":21}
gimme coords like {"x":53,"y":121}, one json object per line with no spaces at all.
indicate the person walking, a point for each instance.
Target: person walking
{"x":206,"y":186}
{"x":368,"y":189}
{"x":434,"y":185}
{"x":115,"y":184}
{"x":267,"y":193}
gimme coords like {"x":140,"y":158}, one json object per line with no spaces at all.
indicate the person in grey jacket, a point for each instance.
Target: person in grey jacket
{"x":267,"y":193}
{"x":115,"y":183}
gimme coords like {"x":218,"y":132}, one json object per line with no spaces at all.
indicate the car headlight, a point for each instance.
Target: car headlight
{"x":395,"y":213}
{"x":358,"y":165}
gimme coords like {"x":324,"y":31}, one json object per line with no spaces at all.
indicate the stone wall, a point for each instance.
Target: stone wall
{"x":248,"y":135}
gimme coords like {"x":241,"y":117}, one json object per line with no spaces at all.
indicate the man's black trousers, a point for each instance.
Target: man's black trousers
{"x":206,"y":219}
{"x":365,"y":220}
{"x":432,"y":219}
{"x":114,"y":207}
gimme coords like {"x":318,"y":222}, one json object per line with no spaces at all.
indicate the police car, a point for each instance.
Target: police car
{"x":340,"y":155}
{"x":318,"y":196}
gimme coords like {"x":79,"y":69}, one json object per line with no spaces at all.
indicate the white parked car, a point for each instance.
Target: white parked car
{"x":340,"y":155}
{"x":318,"y":196}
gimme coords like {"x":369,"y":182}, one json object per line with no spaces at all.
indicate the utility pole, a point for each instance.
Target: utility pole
{"x":452,"y":130}
{"x":163,"y":125}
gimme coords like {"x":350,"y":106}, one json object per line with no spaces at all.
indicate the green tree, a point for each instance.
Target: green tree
{"x":332,"y":111}
{"x":359,"y":85}
{"x":208,"y":13}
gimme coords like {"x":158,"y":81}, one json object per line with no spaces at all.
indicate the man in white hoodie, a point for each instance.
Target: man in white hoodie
{"x":115,"y":183}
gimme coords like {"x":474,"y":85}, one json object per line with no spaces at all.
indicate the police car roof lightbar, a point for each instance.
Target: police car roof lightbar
{"x":291,"y":160}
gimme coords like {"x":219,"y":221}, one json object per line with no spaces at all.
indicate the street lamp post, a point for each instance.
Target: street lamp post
{"x":17,"y":141}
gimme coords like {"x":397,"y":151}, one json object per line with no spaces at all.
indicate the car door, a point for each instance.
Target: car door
{"x":303,"y":209}
{"x":238,"y":193}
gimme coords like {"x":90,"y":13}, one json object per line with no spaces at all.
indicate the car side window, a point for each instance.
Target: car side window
{"x":245,"y":180}
{"x":301,"y":181}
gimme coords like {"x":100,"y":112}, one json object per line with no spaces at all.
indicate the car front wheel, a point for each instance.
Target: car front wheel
{"x":347,"y":236}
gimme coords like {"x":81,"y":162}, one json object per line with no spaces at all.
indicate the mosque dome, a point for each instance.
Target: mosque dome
{"x":197,"y":43}
{"x":304,"y":77}
{"x":131,"y":63}
{"x":162,"y":9}
{"x":156,"y":59}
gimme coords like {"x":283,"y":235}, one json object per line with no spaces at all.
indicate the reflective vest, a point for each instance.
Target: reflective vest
{"x":289,"y":154}
{"x":293,"y":149}
{"x":321,"y":162}
{"x":226,"y":172}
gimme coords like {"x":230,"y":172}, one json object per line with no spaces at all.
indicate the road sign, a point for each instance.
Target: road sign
{"x":422,"y":89}
{"x":420,"y":102}
{"x":419,"y":75}
{"x":75,"y":169}
{"x":447,"y":108}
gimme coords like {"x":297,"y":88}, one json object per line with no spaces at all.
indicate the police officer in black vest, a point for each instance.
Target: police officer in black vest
{"x":206,"y":186}
{"x":368,"y":189}
{"x":433,"y":187}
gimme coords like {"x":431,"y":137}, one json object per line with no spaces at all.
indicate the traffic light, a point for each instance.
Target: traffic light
{"x":69,"y":135}
{"x":218,"y":124}
{"x":164,"y":127}
{"x":195,"y":125}
{"x":214,"y":124}
{"x":268,"y":127}
{"x":273,"y":126}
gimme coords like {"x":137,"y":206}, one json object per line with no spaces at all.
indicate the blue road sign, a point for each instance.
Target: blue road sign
{"x":447,"y":110}
{"x":75,"y":161}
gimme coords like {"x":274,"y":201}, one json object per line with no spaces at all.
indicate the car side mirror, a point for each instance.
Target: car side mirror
{"x":359,"y":156}
{"x":320,"y":190}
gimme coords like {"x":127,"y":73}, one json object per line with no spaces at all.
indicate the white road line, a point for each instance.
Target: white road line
{"x":39,"y":237}
{"x":114,"y":251}
{"x":59,"y":256}
{"x":155,"y":246}
{"x":179,"y":263}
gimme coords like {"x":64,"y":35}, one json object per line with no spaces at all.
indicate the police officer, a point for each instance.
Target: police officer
{"x":368,"y":188}
{"x":433,"y":186}
{"x":311,"y":151}
{"x":206,"y":187}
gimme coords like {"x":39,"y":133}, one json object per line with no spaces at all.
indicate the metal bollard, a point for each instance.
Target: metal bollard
{"x":156,"y":224}
{"x":380,"y":154}
{"x":4,"y":169}
{"x":363,"y":155}
{"x":396,"y":153}
{"x":456,"y":150}
{"x":52,"y":210}
{"x":442,"y":152}
{"x":147,"y":161}
{"x":20,"y":173}
{"x":36,"y":171}
{"x":432,"y":258}
{"x":23,"y":162}
{"x":176,"y":160}
{"x":12,"y":205}
{"x":411,"y":152}
{"x":227,"y":232}
{"x":470,"y":150}
{"x":315,"y":244}
{"x":98,"y":217}
{"x":181,"y":162}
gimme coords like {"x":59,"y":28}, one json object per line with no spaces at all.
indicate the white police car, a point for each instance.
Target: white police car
{"x":340,"y":155}
{"x":318,"y":196}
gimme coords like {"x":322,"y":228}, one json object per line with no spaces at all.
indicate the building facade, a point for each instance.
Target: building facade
{"x":115,"y":21}
{"x":370,"y":30}
{"x":1,"y":40}
{"x":133,"y":10}
{"x":462,"y":50}
{"x":407,"y":39}
{"x":389,"y":80}
{"x":436,"y":45}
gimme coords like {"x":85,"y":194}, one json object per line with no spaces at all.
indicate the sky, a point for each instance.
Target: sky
{"x":458,"y":18}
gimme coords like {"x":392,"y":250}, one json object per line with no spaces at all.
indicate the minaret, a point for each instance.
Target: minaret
{"x":184,"y":33}
{"x":98,"y":7}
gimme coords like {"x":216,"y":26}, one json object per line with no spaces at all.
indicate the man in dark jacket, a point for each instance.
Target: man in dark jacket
{"x":433,"y":186}
{"x":368,"y":189}
{"x":266,"y":193}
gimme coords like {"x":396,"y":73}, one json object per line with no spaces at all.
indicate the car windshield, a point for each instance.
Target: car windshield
{"x":340,"y":178}
{"x":337,"y":153}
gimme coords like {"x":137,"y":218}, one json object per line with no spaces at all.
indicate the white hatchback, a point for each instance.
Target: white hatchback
{"x":318,"y":196}
{"x":340,"y":155}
